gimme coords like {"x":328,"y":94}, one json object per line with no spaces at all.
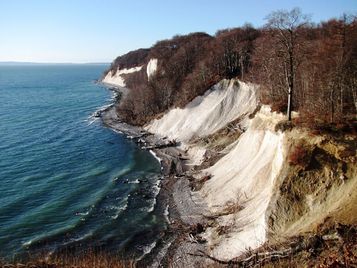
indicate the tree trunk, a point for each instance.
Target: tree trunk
{"x":241,"y":61}
{"x":289,"y":103}
{"x":290,"y":82}
{"x":332,"y":106}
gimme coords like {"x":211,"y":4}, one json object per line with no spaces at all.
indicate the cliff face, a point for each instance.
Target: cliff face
{"x":261,"y":182}
{"x":129,"y":65}
{"x":320,"y":187}
{"x":241,"y":187}
{"x":205,"y":115}
{"x":117,"y":77}
{"x":241,"y":184}
{"x":265,"y":188}
{"x":171,"y":74}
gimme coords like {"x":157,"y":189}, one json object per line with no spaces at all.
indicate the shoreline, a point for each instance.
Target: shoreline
{"x":185,"y":217}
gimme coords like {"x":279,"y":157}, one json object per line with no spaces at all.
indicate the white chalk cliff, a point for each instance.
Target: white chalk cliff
{"x":223,"y":103}
{"x":151,"y":68}
{"x":244,"y":179}
{"x":245,"y":176}
{"x":117,"y":78}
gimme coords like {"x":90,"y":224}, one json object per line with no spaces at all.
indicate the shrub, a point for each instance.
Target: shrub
{"x":284,"y":126}
{"x":300,"y":156}
{"x":88,"y":259}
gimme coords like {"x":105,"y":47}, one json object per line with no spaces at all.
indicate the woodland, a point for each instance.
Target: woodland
{"x":300,"y":66}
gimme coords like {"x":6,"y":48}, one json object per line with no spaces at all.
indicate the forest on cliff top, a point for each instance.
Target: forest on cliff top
{"x":317,"y":63}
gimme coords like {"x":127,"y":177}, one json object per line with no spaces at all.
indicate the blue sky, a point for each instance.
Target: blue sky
{"x":100,"y":30}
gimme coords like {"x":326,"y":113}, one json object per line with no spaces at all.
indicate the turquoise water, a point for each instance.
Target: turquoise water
{"x":65,"y":180}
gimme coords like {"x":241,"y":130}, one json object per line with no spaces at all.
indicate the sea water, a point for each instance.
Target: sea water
{"x":65,"y":179}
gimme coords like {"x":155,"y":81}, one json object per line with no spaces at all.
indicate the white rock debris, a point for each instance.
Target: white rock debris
{"x":223,"y":103}
{"x":117,"y":79}
{"x":151,"y":67}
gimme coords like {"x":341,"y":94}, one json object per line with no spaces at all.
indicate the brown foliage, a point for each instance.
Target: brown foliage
{"x":129,"y":60}
{"x":324,"y":70}
{"x":300,"y":156}
{"x":188,"y":66}
{"x":87,"y":260}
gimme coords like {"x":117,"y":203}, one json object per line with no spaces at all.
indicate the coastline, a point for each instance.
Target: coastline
{"x":198,"y":225}
{"x":185,"y":216}
{"x":189,"y":240}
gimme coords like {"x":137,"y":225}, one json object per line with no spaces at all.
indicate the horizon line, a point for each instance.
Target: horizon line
{"x":36,"y":62}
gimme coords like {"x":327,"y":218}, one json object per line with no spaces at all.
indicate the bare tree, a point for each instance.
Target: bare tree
{"x":286,"y":25}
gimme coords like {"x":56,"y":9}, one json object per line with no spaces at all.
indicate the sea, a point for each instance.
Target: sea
{"x":67,"y":181}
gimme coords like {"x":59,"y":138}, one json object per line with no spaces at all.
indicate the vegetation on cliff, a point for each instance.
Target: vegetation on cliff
{"x":264,"y":180}
{"x":319,"y":61}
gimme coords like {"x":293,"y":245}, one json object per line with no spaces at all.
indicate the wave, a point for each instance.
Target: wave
{"x":146,"y":250}
{"x":91,"y":120}
{"x":125,"y":170}
{"x":43,"y":237}
{"x":98,"y":113}
{"x":82,"y":213}
{"x":156,"y":190}
{"x":155,"y":156}
{"x":121,"y":208}
{"x":78,"y":239}
{"x":137,"y":181}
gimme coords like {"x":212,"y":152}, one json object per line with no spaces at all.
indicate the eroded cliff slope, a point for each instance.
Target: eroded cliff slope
{"x":262,"y":180}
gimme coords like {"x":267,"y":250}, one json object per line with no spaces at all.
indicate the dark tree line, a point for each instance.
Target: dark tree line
{"x":285,"y":29}
{"x":299,"y":66}
{"x":315,"y":63}
{"x":129,"y":60}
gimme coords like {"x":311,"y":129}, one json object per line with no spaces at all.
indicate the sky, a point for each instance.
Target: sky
{"x":81,"y":31}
